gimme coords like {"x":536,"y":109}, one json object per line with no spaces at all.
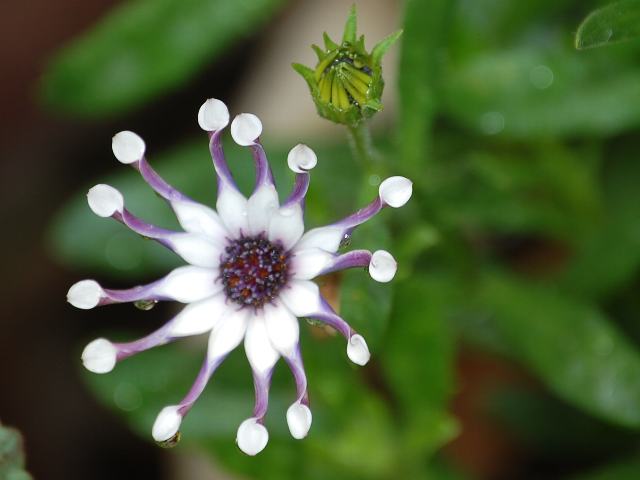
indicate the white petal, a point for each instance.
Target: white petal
{"x":245,"y":129}
{"x":299,"y":420}
{"x":301,"y":158}
{"x":260,"y":352}
{"x":85,"y":294}
{"x":198,"y":218}
{"x":357,"y":350}
{"x":252,"y":437}
{"x":307,"y":264}
{"x":232,"y":208}
{"x":282,"y":327}
{"x":127,"y":147}
{"x":326,"y":238}
{"x":382,"y":266}
{"x":260,"y":208}
{"x":190,"y":284}
{"x":302,"y":297}
{"x":167,"y":424}
{"x":199,"y":317}
{"x":99,"y":356}
{"x":197,"y":249}
{"x":104,"y":200}
{"x":395,"y":191}
{"x":228,"y":333}
{"x":213,"y":115}
{"x":287,"y":226}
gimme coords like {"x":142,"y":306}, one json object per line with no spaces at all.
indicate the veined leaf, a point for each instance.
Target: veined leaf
{"x":617,"y":22}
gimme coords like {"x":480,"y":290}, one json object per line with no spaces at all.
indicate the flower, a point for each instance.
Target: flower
{"x":249,"y":273}
{"x":346,"y":84}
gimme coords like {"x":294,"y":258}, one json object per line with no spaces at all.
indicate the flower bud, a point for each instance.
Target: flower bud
{"x":346,"y":84}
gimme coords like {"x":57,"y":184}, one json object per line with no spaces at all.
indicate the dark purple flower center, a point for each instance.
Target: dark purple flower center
{"x":253,"y":270}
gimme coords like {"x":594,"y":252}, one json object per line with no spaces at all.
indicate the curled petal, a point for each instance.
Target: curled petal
{"x":299,"y":420}
{"x":167,"y":423}
{"x":252,"y":436}
{"x":104,"y":200}
{"x":99,"y":356}
{"x":301,"y":159}
{"x":263,"y":170}
{"x":383,"y":266}
{"x":245,"y":129}
{"x":127,"y":147}
{"x":357,"y":350}
{"x":213,"y":115}
{"x":85,"y":294}
{"x":395,"y":191}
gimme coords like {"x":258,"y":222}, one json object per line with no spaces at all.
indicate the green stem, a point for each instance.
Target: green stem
{"x":362,"y":147}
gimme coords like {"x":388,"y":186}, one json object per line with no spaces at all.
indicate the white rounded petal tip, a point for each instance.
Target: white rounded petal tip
{"x":85,"y":294}
{"x":382,"y":266}
{"x":396,"y":191}
{"x":127,"y":147}
{"x":99,"y":356}
{"x":245,"y":129}
{"x":299,"y":420}
{"x":252,"y":437}
{"x":167,"y":424}
{"x":213,"y":115}
{"x":104,"y":200}
{"x":357,"y":350}
{"x":301,"y":159}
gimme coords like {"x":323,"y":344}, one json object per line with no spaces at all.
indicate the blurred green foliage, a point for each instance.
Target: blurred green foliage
{"x":12,"y":458}
{"x":522,"y":239}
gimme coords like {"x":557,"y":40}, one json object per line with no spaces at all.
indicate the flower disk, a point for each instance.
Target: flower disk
{"x":253,"y":270}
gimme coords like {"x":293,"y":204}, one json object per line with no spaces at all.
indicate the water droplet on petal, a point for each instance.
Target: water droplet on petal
{"x":313,"y":322}
{"x":346,"y":240}
{"x":145,"y":304}
{"x":170,"y":442}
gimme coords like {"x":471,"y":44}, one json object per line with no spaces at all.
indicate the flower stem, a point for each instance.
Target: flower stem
{"x":362,"y":147}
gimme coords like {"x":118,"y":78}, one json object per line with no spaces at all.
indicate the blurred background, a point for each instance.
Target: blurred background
{"x":506,"y":347}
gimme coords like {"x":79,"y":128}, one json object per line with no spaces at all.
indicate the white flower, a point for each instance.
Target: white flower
{"x":249,"y":272}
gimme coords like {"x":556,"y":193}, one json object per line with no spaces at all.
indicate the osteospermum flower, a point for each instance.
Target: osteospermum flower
{"x":249,"y":273}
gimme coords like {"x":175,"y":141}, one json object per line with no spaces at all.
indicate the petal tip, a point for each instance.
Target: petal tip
{"x":396,"y":191}
{"x":382,"y":266}
{"x":301,"y":159}
{"x":252,"y":436}
{"x":85,"y":294}
{"x":245,"y":129}
{"x":104,"y":200}
{"x":299,"y":420}
{"x":213,"y":115}
{"x":167,"y":424}
{"x":357,"y":350}
{"x":99,"y":356}
{"x":127,"y":147}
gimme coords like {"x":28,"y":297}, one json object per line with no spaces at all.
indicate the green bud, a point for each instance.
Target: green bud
{"x":346,"y":84}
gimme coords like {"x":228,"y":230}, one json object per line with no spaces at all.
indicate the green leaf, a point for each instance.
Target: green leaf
{"x":532,"y":92}
{"x":425,"y":28}
{"x":626,"y":470}
{"x":12,"y":459}
{"x":609,"y":255}
{"x":617,"y":22}
{"x":145,"y":48}
{"x":571,"y":346}
{"x":418,"y":362}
